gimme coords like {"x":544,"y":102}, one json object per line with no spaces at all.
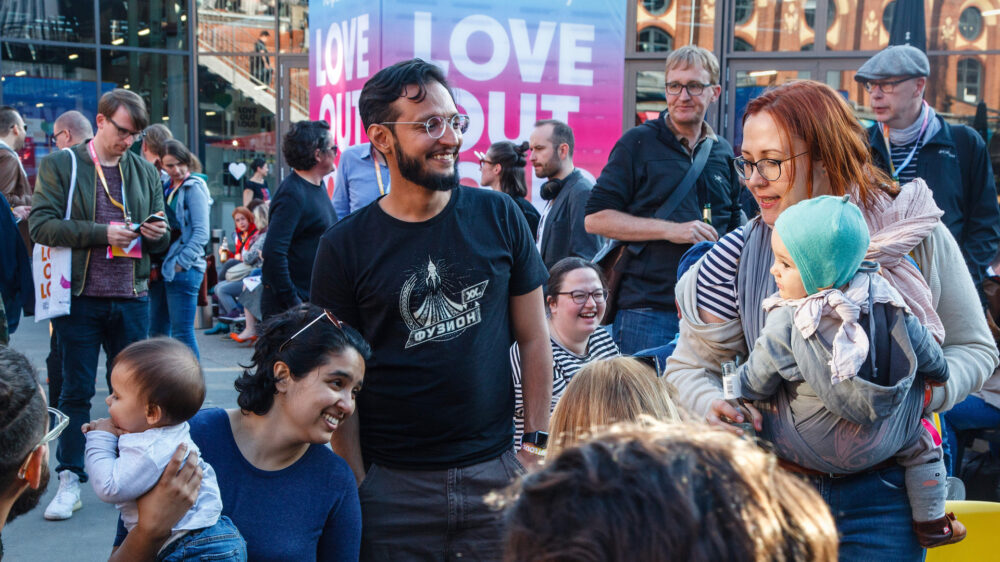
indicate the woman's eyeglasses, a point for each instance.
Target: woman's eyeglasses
{"x":326,"y":314}
{"x":580,"y":297}
{"x":768,"y":168}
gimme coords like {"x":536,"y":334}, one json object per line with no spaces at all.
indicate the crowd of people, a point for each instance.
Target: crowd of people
{"x":692,"y":356}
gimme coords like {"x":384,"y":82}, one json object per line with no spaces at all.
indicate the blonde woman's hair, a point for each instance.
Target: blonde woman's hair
{"x":655,"y":491}
{"x":605,"y":392}
{"x":260,"y":216}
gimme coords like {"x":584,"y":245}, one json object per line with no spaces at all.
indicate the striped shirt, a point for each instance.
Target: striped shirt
{"x":899,"y":154}
{"x":565,"y":365}
{"x":716,"y":285}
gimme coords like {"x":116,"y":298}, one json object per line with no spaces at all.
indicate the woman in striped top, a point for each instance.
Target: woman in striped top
{"x":575,"y":297}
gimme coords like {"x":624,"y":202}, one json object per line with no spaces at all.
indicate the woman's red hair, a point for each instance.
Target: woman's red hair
{"x":246,"y":214}
{"x":816,"y":114}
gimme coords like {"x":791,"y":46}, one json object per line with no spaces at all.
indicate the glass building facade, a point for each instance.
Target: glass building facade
{"x":228,"y":77}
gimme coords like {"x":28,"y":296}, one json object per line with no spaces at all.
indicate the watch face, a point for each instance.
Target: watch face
{"x":539,"y":438}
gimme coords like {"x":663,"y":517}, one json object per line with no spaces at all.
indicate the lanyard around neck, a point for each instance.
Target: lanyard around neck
{"x":378,"y":174}
{"x":913,"y":151}
{"x":104,"y":182}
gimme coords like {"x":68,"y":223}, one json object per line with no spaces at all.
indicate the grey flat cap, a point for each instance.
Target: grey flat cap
{"x":898,"y":60}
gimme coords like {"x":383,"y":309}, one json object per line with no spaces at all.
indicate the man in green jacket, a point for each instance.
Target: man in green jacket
{"x":115,"y":191}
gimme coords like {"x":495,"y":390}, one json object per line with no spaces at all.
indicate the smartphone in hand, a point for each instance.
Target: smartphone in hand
{"x":149,"y":219}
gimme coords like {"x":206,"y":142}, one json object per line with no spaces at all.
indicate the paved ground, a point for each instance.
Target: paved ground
{"x":88,"y":534}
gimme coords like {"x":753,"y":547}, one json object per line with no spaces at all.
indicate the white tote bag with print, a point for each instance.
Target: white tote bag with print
{"x":52,"y":268}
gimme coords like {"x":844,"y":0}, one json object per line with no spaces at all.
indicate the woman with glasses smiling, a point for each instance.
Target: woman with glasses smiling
{"x":801,"y":140}
{"x":575,"y":297}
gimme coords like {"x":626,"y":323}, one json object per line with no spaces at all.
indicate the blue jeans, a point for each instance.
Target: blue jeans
{"x":873,"y":517}
{"x":434,"y":514}
{"x":228,"y":292}
{"x":174,"y":306}
{"x":636,"y":329}
{"x":221,"y":541}
{"x":972,"y":413}
{"x":92,"y":322}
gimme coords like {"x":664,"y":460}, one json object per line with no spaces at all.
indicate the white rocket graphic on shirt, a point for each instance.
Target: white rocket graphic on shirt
{"x":439,"y":316}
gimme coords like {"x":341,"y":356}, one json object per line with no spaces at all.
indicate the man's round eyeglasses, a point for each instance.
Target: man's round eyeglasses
{"x":435,"y":125}
{"x":693,"y":88}
{"x":887,"y":87}
{"x":768,"y":168}
{"x":124,"y":133}
{"x":57,"y":423}
{"x":580,"y":297}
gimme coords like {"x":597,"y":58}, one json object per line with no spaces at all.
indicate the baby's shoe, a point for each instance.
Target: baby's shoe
{"x":939,"y":532}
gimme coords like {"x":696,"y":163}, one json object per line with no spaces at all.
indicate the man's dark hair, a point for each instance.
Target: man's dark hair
{"x":8,"y":118}
{"x":308,"y":350}
{"x":302,"y":141}
{"x":389,"y":84}
{"x":561,"y":134}
{"x":256,"y":164}
{"x":264,"y":34}
{"x":22,"y":413}
{"x":136,"y":107}
{"x":167,"y":374}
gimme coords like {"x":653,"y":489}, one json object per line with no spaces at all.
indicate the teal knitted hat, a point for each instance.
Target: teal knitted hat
{"x":827,"y":238}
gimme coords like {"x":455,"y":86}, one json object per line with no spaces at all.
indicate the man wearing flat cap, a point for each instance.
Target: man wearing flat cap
{"x":911,"y":141}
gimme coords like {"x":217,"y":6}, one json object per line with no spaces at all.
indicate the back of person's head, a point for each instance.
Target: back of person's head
{"x":694,"y":56}
{"x":156,"y":138}
{"x":133,"y":104}
{"x":302,"y":141}
{"x":391,"y":83}
{"x":820,"y":117}
{"x":605,"y":392}
{"x":658,"y":491}
{"x":512,"y":161}
{"x":260,"y":214}
{"x":22,"y":413}
{"x":303,"y":353}
{"x":76,"y":123}
{"x":827,"y":238}
{"x":256,"y":164}
{"x":561,"y":134}
{"x":8,"y":118}
{"x":177,"y":149}
{"x":166,"y":374}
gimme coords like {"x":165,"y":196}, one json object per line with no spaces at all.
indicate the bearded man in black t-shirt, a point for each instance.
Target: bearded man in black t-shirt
{"x":441,"y":280}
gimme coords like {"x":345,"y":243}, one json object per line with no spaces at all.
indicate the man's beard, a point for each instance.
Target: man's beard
{"x":30,"y":498}
{"x":549,"y":169}
{"x":413,"y":170}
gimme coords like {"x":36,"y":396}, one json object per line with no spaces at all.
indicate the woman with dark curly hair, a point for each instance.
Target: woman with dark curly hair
{"x":301,"y":211}
{"x":290,"y":496}
{"x":502,"y":169}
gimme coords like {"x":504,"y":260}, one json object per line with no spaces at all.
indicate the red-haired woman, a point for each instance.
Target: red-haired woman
{"x":802,"y":140}
{"x":243,"y":237}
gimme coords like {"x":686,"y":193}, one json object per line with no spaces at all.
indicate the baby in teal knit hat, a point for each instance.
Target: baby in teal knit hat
{"x":839,"y":333}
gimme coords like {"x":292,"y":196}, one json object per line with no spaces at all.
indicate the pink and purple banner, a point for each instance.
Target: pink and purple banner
{"x":509,"y":64}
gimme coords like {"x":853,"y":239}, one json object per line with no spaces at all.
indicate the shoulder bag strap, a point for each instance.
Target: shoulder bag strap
{"x":72,"y":184}
{"x":683,"y":188}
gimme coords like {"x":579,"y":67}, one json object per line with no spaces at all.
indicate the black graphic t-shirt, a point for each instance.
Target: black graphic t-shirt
{"x":432,"y":298}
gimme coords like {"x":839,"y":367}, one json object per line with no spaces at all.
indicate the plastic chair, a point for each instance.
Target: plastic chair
{"x":982,"y":519}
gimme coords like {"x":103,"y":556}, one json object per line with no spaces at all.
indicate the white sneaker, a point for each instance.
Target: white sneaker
{"x":67,"y":499}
